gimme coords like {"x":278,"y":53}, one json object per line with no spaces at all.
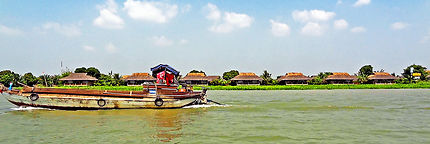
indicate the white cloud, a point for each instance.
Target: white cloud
{"x":359,"y":3}
{"x":340,"y":24}
{"x":183,"y":42}
{"x":358,"y":29}
{"x":312,"y":15}
{"x":339,"y":2}
{"x":399,"y":25}
{"x":426,"y":38}
{"x":312,"y":29}
{"x":162,"y":41}
{"x":186,"y":8}
{"x":88,"y":48}
{"x":228,"y":21}
{"x":157,"y":12}
{"x":108,"y":17}
{"x":10,"y":31}
{"x":110,"y":48}
{"x":66,"y":30}
{"x":279,"y":29}
{"x":214,"y":13}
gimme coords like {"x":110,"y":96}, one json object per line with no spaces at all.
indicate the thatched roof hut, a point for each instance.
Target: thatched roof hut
{"x":194,"y":76}
{"x":198,"y":79}
{"x":247,"y":79}
{"x":340,"y":78}
{"x":138,"y":79}
{"x":294,"y":78}
{"x":382,"y":78}
{"x":211,"y":78}
{"x":428,"y":77}
{"x":78,"y":79}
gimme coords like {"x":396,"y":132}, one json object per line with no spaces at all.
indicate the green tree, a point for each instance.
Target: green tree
{"x":92,"y":71}
{"x":8,"y":76}
{"x":48,"y":80}
{"x":81,"y":70}
{"x":319,"y":79}
{"x":230,"y":74}
{"x":316,"y":81}
{"x":196,"y":71}
{"x":416,"y":69}
{"x":105,"y":80}
{"x":365,"y":71}
{"x":221,"y":82}
{"x":29,"y":79}
{"x":267,"y":78}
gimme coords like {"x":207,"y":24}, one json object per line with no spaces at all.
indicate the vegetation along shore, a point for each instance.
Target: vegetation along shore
{"x":420,"y":85}
{"x":413,"y":77}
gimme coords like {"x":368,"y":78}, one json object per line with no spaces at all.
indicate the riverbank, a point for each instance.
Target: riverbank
{"x":422,"y":85}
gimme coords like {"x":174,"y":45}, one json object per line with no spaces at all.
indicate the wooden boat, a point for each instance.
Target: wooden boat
{"x":151,"y":96}
{"x":103,"y":99}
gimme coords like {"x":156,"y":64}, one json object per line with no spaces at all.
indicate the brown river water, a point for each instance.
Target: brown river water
{"x":308,"y":116}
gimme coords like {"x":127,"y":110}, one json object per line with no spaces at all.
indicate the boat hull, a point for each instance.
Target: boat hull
{"x":57,"y":101}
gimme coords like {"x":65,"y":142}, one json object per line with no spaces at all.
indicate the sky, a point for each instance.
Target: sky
{"x":127,"y":36}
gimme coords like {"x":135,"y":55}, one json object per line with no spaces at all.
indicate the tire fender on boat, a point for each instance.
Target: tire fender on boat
{"x":158,"y":102}
{"x":34,"y":97}
{"x":101,"y":102}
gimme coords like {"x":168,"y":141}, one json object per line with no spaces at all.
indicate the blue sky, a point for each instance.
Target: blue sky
{"x":215,"y":36}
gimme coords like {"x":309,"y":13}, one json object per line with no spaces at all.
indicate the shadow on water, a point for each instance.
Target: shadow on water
{"x":157,"y":125}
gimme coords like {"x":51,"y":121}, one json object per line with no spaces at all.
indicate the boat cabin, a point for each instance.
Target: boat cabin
{"x":78,"y":79}
{"x":294,"y":78}
{"x":165,"y":74}
{"x":382,"y":78}
{"x":137,"y":79}
{"x":340,"y":78}
{"x":247,"y":79}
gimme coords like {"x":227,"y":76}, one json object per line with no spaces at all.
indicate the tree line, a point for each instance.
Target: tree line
{"x":114,"y":79}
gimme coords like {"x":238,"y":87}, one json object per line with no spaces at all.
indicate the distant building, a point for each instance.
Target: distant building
{"x":198,"y":79}
{"x":247,"y":79}
{"x":294,"y":78}
{"x":340,"y":78}
{"x":382,"y":78}
{"x":428,"y":77}
{"x":78,"y":79}
{"x":137,"y":79}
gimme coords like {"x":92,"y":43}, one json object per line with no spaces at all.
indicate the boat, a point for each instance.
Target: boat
{"x":166,"y":93}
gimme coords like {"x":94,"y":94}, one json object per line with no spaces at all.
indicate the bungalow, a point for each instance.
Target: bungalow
{"x":428,"y":77}
{"x":340,"y":78}
{"x":294,"y":78}
{"x":137,"y":79}
{"x":247,"y":79}
{"x":382,"y":78}
{"x":198,"y":79}
{"x":78,"y":79}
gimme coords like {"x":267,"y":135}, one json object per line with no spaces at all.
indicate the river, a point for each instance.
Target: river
{"x":309,"y":116}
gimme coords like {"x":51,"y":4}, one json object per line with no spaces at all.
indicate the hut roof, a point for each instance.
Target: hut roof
{"x":294,"y":76}
{"x":247,"y":76}
{"x":195,"y":76}
{"x":341,"y":76}
{"x":381,"y":75}
{"x":138,"y":76}
{"x":78,"y":76}
{"x":211,"y":78}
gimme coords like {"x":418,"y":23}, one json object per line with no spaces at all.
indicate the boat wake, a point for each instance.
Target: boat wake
{"x":27,"y":108}
{"x":205,"y":106}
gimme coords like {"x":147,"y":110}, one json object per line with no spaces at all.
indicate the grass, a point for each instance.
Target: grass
{"x":421,"y":85}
